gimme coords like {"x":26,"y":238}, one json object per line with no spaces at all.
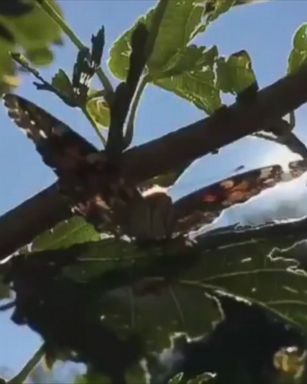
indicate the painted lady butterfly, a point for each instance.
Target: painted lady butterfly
{"x":97,"y":191}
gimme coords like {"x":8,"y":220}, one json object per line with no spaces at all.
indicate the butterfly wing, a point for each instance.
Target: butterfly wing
{"x":60,"y":147}
{"x":203,"y":206}
{"x":94,"y":191}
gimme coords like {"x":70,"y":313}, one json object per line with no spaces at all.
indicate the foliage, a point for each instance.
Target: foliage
{"x":98,"y":296}
{"x":19,"y":25}
{"x":299,"y":52}
{"x":175,"y":64}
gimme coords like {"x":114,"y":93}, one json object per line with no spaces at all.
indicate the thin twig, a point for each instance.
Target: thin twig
{"x":283,"y":134}
{"x":129,"y":127}
{"x":57,"y":18}
{"x":7,"y":306}
{"x":94,"y":125}
{"x":28,"y":368}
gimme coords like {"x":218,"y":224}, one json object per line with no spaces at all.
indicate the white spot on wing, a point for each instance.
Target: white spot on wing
{"x":43,"y":134}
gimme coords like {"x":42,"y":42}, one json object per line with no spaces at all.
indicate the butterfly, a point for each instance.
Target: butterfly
{"x":97,"y":191}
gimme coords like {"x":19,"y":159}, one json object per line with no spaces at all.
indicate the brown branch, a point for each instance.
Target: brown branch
{"x":169,"y":152}
{"x":39,"y":213}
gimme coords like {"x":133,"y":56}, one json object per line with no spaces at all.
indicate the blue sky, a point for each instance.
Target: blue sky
{"x":264,"y":30}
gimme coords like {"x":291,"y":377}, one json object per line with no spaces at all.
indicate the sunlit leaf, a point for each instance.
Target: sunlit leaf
{"x":298,"y":55}
{"x":180,"y":23}
{"x":190,"y":75}
{"x":99,"y":110}
{"x":197,"y":87}
{"x":235,"y":74}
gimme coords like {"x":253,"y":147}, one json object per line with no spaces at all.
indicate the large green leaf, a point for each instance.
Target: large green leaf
{"x":178,"y":26}
{"x":65,"y":234}
{"x":161,"y":290}
{"x":177,"y":66}
{"x":298,"y":55}
{"x":260,"y":275}
{"x":32,"y":32}
{"x":136,"y":292}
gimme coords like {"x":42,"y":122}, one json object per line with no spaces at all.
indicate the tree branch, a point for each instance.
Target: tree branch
{"x":169,"y":152}
{"x":39,"y":213}
{"x":22,"y":376}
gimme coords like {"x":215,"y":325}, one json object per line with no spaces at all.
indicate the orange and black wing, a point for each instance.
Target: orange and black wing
{"x":204,"y":205}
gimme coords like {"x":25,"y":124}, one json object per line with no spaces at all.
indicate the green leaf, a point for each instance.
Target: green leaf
{"x":298,"y":55}
{"x":4,"y":290}
{"x":190,"y":75}
{"x":235,"y":74}
{"x":253,"y":272}
{"x":177,"y":66}
{"x":131,"y":307}
{"x":191,"y":58}
{"x":259,"y":274}
{"x":121,"y":50}
{"x":165,"y":180}
{"x":178,"y":26}
{"x":25,"y":28}
{"x":197,"y":87}
{"x":177,"y":379}
{"x":40,"y":57}
{"x":100,"y":257}
{"x":32,"y":32}
{"x":65,"y":234}
{"x":14,"y":8}
{"x":62,"y":83}
{"x":98,"y":108}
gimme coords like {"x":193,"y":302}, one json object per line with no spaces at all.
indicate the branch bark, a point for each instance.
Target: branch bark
{"x":169,"y":152}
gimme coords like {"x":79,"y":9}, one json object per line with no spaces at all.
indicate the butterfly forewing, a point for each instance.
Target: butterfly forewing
{"x":60,"y":147}
{"x":203,"y":206}
{"x":94,"y":190}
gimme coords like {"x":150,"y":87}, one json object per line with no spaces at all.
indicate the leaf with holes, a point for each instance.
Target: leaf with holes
{"x":172,"y":25}
{"x":137,"y":287}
